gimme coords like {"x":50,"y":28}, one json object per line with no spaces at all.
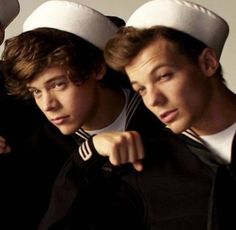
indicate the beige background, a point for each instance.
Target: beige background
{"x":123,"y":8}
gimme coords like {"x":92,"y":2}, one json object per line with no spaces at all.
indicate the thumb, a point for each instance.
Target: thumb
{"x":138,"y":165}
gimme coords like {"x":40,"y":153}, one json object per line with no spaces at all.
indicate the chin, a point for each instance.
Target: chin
{"x":66,"y":131}
{"x":177,"y":129}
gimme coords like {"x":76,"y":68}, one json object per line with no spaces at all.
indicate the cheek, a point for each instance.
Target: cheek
{"x":80,"y":104}
{"x":145,"y":101}
{"x":183,"y":97}
{"x":192,"y":99}
{"x":181,"y":89}
{"x":72,"y":97}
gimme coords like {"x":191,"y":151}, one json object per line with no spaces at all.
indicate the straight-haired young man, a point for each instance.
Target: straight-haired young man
{"x":170,"y":51}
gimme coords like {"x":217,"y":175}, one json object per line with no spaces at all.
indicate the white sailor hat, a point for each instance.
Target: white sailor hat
{"x":75,"y":18}
{"x":9,"y":9}
{"x":191,"y":18}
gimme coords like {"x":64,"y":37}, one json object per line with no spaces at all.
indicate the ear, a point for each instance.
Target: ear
{"x":101,"y":71}
{"x":209,"y":61}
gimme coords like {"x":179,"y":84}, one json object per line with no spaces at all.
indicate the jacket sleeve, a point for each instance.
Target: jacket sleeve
{"x":71,"y":183}
{"x":88,"y":160}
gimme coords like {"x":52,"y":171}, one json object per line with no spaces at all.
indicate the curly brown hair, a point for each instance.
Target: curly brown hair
{"x":28,"y":54}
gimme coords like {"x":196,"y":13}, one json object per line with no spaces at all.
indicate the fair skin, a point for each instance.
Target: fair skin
{"x":123,"y":147}
{"x":88,"y":106}
{"x":70,"y":107}
{"x":179,"y":93}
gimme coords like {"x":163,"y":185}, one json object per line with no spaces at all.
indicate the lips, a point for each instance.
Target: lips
{"x":169,"y":116}
{"x":59,"y":120}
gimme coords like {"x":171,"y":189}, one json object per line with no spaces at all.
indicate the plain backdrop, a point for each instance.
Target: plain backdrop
{"x":123,"y":8}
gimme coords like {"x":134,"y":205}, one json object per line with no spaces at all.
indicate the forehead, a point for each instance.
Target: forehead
{"x":158,"y":51}
{"x":47,"y":75}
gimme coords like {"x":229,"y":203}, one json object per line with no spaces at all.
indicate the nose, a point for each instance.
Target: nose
{"x":155,"y":97}
{"x":49,"y":102}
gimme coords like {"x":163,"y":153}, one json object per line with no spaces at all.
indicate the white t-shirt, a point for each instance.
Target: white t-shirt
{"x":221,"y":143}
{"x":120,"y":121}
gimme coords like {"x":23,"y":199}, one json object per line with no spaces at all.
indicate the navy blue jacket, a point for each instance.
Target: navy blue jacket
{"x":173,"y":191}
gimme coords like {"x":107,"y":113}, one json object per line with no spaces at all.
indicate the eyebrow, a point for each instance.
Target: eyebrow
{"x":151,"y":72}
{"x":55,"y":78}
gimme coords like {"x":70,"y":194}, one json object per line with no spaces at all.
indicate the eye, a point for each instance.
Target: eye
{"x":58,"y":85}
{"x":35,"y":92}
{"x":141,"y":91}
{"x":165,"y":76}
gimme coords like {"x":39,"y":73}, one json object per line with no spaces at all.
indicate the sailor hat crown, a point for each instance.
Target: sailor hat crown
{"x":191,"y":18}
{"x":75,"y":18}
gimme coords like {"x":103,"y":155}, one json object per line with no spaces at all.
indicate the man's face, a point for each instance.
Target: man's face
{"x":173,"y":88}
{"x":67,"y":106}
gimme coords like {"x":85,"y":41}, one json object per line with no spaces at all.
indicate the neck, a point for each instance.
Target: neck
{"x":109,"y":105}
{"x":220,"y":113}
